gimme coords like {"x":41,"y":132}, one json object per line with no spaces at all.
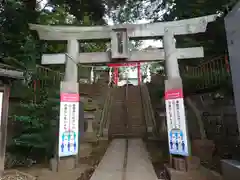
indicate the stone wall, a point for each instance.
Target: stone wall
{"x":218,"y":116}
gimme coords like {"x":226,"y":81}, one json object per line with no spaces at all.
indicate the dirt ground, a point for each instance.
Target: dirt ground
{"x":158,"y":151}
{"x":98,"y":151}
{"x":41,"y":171}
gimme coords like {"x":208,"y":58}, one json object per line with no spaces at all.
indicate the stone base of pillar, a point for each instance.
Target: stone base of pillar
{"x":69,"y":163}
{"x":186,"y":163}
{"x":63,"y":164}
{"x":173,"y":174}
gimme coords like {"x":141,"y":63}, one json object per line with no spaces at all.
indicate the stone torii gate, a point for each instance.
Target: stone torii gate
{"x":118,"y":36}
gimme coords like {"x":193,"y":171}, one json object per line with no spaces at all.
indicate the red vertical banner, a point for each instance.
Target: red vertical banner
{"x":227,"y":63}
{"x":139,"y":73}
{"x":115,"y":75}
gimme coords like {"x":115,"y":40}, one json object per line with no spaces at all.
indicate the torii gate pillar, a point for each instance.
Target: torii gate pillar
{"x":179,"y":142}
{"x":69,"y":96}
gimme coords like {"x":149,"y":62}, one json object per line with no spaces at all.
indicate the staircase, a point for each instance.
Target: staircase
{"x":118,"y":115}
{"x":127,"y":119}
{"x":135,"y":112}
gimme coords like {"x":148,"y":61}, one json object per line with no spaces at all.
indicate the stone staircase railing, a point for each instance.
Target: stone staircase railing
{"x":104,"y":120}
{"x":148,"y":111}
{"x":192,"y":106}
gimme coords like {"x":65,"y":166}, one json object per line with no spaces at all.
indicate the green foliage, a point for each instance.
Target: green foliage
{"x":18,"y":47}
{"x":128,"y":12}
{"x":37,"y":122}
{"x":94,"y":9}
{"x":214,"y":40}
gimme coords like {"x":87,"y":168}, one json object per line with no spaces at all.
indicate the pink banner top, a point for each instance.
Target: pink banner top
{"x":122,"y":64}
{"x":68,"y":97}
{"x":174,"y":94}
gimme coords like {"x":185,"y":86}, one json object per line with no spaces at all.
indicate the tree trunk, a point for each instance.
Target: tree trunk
{"x":31,"y":10}
{"x":30,"y":4}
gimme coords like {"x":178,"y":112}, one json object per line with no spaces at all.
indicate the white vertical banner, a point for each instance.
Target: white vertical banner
{"x":1,"y":106}
{"x":68,"y":125}
{"x":176,"y":122}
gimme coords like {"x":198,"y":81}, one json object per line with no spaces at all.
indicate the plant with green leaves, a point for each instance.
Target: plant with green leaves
{"x":38,"y":124}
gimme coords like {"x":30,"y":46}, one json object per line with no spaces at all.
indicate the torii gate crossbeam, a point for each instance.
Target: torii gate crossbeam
{"x":134,"y":31}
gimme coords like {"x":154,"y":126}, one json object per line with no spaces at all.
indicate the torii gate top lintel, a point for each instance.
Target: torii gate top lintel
{"x":119,"y":36}
{"x":134,"y":31}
